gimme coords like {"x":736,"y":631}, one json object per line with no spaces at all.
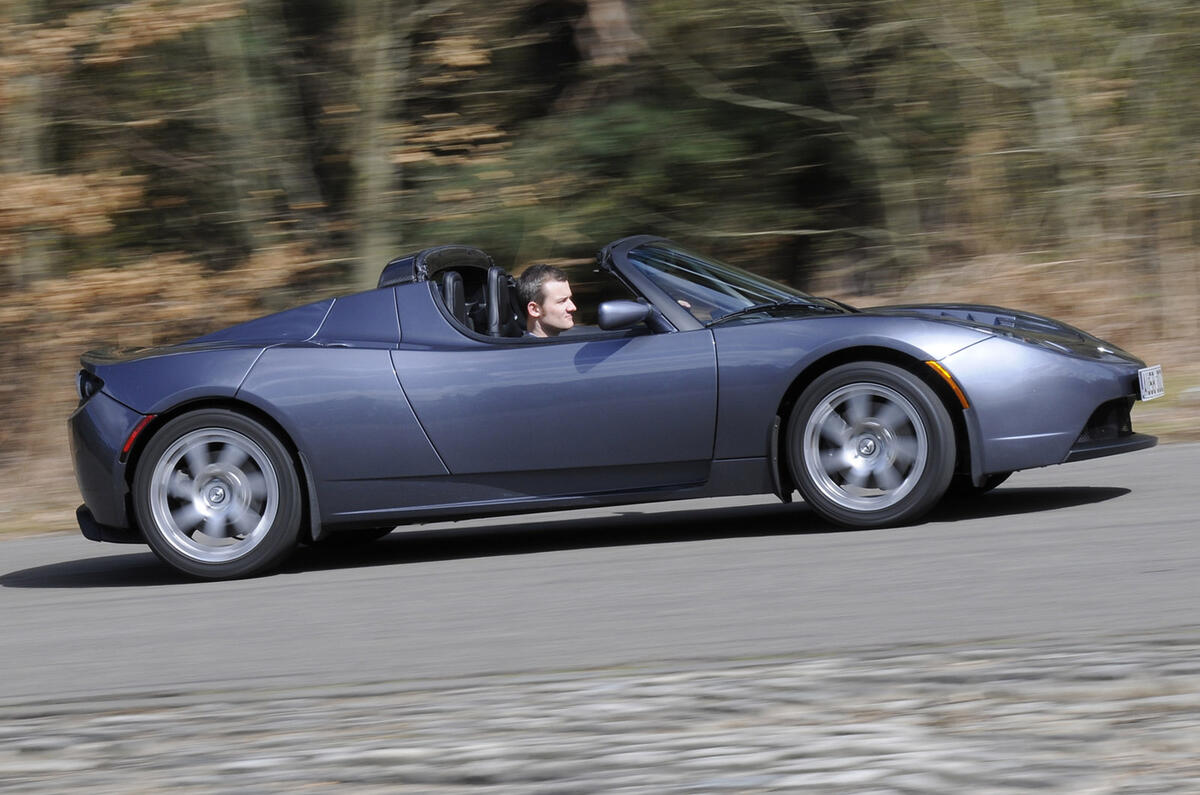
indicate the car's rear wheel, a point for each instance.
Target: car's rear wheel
{"x":217,"y":496}
{"x":870,"y":444}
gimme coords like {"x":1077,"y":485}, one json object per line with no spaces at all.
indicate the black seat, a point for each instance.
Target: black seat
{"x":504,"y":315}
{"x":455,"y":296}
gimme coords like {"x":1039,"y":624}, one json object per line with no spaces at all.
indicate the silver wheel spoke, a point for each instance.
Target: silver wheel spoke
{"x":257,"y":485}
{"x":181,"y":486}
{"x":833,"y":461}
{"x":246,"y":521}
{"x":891,"y":416}
{"x":888,"y":478}
{"x":835,"y":429}
{"x":232,"y":457}
{"x":858,"y":408}
{"x":197,"y":459}
{"x":857,"y":477}
{"x":214,"y":526}
{"x":187,"y":518}
{"x":905,"y":448}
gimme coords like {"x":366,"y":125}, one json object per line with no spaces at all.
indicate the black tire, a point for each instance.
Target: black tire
{"x":217,"y":496}
{"x":870,"y":445}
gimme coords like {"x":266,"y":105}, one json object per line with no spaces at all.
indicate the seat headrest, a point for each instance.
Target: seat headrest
{"x":504,"y":316}
{"x":454,"y":293}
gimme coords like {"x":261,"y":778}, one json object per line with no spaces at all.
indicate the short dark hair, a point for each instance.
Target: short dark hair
{"x":529,"y":286}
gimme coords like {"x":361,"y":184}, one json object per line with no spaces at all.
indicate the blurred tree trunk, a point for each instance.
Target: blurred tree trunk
{"x":27,"y":102}
{"x":237,"y":115}
{"x":1180,"y":255}
{"x":270,"y":175}
{"x":605,"y":34}
{"x":1054,"y":130}
{"x":23,"y":141}
{"x":382,"y":48}
{"x":840,"y":72}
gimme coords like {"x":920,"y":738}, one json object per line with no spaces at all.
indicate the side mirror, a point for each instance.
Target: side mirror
{"x":613,"y":315}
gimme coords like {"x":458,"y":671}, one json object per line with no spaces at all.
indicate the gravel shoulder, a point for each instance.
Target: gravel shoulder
{"x":1117,"y":715}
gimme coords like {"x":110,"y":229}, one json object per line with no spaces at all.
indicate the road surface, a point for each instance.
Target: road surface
{"x":1098,"y":549}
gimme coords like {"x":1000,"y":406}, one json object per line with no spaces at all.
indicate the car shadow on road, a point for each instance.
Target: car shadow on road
{"x":632,"y":527}
{"x":140,"y":568}
{"x":1014,"y":501}
{"x":636,"y":528}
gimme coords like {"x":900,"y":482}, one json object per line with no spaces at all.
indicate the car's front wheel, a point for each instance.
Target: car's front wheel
{"x":870,"y":444}
{"x":216,"y":495}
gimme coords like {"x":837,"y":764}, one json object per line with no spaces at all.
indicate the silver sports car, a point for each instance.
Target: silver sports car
{"x":424,"y":398}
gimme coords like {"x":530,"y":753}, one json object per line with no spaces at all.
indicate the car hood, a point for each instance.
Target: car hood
{"x":1026,"y":326}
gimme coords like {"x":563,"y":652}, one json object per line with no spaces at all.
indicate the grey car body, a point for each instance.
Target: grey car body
{"x":420,"y":399}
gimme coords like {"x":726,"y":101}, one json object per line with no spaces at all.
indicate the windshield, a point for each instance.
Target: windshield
{"x":705,"y":287}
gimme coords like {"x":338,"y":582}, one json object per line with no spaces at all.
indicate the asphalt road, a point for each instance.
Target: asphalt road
{"x":1101,"y":549}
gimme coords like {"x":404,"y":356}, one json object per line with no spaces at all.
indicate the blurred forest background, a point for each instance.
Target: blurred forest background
{"x":169,"y":167}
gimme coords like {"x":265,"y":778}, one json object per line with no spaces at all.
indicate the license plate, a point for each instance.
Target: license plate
{"x":1150,"y":379}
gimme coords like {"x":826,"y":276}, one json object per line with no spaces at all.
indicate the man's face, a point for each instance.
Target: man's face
{"x":555,"y":314}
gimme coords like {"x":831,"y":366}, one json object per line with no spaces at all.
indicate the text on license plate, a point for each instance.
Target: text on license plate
{"x":1150,"y":379}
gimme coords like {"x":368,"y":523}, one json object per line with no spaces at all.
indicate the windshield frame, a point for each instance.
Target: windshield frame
{"x":695,"y":290}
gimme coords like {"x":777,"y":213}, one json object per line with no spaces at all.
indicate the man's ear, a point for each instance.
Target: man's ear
{"x":533,"y":309}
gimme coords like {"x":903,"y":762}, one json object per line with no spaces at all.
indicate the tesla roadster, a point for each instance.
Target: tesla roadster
{"x":422,"y":399}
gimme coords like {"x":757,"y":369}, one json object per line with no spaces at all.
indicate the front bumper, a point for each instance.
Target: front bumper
{"x":1124,"y":444}
{"x":1032,"y":407}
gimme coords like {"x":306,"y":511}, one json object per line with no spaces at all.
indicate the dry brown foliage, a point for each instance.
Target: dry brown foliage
{"x":103,"y":36}
{"x":79,"y":204}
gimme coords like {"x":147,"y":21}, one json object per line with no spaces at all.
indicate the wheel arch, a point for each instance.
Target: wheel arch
{"x":310,"y":512}
{"x":873,"y":353}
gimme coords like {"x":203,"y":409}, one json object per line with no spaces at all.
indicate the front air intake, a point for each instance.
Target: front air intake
{"x":1109,"y":421}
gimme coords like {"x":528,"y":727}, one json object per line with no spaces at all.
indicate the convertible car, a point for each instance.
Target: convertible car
{"x":422,"y":399}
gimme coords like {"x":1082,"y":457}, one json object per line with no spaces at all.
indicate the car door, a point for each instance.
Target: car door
{"x":579,"y":414}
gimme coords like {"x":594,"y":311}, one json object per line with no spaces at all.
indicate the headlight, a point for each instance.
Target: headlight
{"x":1066,"y":340}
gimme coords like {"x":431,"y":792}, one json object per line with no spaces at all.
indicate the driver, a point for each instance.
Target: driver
{"x":546,"y":295}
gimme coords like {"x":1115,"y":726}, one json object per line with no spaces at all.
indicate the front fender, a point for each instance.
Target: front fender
{"x":759,"y":362}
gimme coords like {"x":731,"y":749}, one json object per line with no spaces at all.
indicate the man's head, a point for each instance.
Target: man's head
{"x":546,"y":296}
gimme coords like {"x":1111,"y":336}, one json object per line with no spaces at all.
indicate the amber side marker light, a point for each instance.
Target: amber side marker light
{"x":133,"y":435}
{"x":949,"y":379}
